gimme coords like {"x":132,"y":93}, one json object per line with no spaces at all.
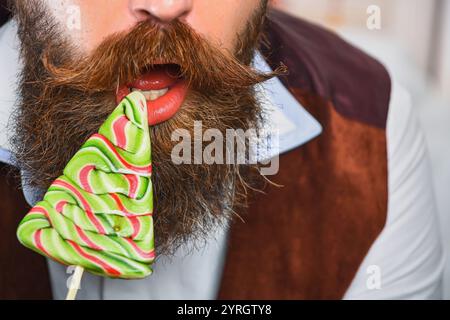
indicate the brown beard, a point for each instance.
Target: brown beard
{"x":65,"y":98}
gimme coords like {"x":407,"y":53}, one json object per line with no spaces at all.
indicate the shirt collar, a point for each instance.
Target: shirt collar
{"x":286,"y":119}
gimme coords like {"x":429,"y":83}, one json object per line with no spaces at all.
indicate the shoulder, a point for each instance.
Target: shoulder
{"x":407,"y":254}
{"x":321,"y":62}
{"x":18,"y":272}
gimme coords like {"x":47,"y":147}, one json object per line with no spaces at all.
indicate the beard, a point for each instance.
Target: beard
{"x":65,"y":98}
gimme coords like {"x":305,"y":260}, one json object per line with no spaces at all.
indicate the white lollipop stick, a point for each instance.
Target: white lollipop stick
{"x":75,"y":283}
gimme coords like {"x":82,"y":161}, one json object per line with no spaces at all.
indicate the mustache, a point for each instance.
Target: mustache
{"x":123,"y":57}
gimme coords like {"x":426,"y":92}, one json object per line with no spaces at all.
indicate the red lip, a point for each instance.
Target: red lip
{"x":160,"y":77}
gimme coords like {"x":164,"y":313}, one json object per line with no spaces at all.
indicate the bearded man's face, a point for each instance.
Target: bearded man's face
{"x":80,"y":57}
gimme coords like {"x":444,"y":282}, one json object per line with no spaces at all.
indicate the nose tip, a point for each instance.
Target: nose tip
{"x":160,"y":10}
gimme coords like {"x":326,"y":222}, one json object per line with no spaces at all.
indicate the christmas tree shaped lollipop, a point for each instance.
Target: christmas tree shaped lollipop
{"x":98,"y":214}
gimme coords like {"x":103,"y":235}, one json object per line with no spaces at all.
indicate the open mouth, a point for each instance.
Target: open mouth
{"x":163,"y":88}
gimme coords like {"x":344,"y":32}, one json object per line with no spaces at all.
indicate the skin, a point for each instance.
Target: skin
{"x":218,"y":20}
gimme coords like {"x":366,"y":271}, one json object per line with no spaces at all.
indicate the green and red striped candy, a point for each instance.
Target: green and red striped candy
{"x":98,"y":214}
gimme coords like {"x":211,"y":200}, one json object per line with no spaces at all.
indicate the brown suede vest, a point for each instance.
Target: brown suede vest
{"x":307,"y":239}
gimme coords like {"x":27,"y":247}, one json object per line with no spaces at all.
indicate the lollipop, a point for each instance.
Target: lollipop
{"x":98,"y":214}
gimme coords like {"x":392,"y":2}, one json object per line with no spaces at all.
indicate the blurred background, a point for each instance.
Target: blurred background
{"x":412,"y":39}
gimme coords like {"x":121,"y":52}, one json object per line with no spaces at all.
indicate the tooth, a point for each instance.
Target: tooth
{"x":152,"y":95}
{"x":160,"y":93}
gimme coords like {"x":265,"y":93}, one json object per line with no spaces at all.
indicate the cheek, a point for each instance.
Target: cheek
{"x":101,"y":18}
{"x":88,"y":22}
{"x":221,"y":21}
